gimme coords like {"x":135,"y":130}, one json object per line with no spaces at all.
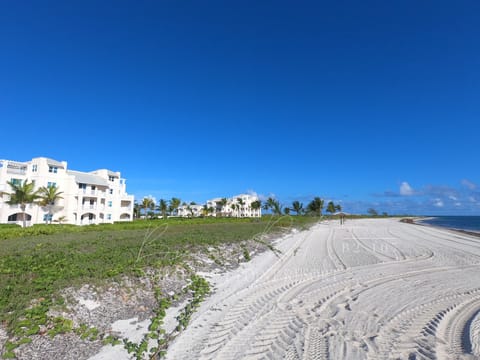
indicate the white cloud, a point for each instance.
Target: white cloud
{"x":468,"y":184}
{"x":438,"y":203}
{"x":454,"y":198}
{"x":406,"y":189}
{"x":261,"y":197}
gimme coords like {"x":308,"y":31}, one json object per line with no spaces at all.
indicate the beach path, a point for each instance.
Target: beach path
{"x":367,"y":289}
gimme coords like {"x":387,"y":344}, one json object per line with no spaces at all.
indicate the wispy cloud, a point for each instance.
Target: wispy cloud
{"x":438,"y":203}
{"x":439,"y":191}
{"x":261,"y":197}
{"x":406,"y":189}
{"x":468,"y":184}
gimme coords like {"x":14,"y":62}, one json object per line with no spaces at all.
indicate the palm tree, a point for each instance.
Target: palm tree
{"x":234,"y":207}
{"x":274,"y":205}
{"x":268,"y":204}
{"x":174,"y":204}
{"x":49,"y":195}
{"x":297,"y":206}
{"x":190,"y":210}
{"x":136,"y":210}
{"x":241,"y":203}
{"x":372,"y":212}
{"x":147,"y":204}
{"x":277,"y":208}
{"x":256,"y":205}
{"x":22,"y":194}
{"x":205,"y":210}
{"x":163,"y":208}
{"x":331,"y":207}
{"x":223,"y":202}
{"x":315,"y":206}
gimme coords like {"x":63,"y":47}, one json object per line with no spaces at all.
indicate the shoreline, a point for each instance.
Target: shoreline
{"x":420,"y":221}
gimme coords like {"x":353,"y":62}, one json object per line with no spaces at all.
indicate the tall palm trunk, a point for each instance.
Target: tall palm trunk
{"x":23,"y":207}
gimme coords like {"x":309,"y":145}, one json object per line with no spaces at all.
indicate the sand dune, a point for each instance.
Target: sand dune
{"x":369,"y":289}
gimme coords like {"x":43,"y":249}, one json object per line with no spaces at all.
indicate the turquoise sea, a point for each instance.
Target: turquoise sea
{"x":471,"y":223}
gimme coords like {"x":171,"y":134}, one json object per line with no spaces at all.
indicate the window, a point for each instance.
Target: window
{"x":82,"y":186}
{"x":51,"y":184}
{"x":16,"y":181}
{"x":109,"y":204}
{"x":34,"y":168}
{"x":111,"y":178}
{"x":53,"y":169}
{"x":47,"y":217}
{"x":93,"y":187}
{"x":109,"y":216}
{"x":111,"y":191}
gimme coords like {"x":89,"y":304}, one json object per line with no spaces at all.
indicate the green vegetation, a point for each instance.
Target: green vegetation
{"x":332,"y":208}
{"x":38,"y":261}
{"x":315,"y":206}
{"x":297,"y":206}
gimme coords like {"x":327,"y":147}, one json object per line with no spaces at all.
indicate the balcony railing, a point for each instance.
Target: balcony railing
{"x":16,"y":171}
{"x":90,"y":192}
{"x":93,"y":207}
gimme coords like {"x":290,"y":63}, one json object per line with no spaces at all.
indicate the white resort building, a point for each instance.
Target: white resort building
{"x":192,"y":210}
{"x":87,"y":197}
{"x":236,"y":206}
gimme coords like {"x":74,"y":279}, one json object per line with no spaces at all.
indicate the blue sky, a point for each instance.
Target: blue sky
{"x":367,"y":103}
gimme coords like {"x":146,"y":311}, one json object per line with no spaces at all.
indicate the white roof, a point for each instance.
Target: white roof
{"x":86,"y":178}
{"x":54,"y":163}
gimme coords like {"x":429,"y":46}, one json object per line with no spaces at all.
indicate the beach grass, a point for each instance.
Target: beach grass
{"x":39,"y":261}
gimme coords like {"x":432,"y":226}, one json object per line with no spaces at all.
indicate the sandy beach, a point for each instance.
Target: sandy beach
{"x":368,"y":289}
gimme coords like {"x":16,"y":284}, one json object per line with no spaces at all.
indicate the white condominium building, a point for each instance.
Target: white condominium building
{"x":190,"y":210}
{"x":87,"y":197}
{"x":236,"y":206}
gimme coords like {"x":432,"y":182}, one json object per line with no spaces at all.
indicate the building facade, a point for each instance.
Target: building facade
{"x":237,"y":206}
{"x":93,"y":197}
{"x":190,"y":210}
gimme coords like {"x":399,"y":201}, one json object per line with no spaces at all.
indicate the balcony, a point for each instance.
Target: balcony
{"x":93,"y":207}
{"x":89,"y":192}
{"x":16,"y":171}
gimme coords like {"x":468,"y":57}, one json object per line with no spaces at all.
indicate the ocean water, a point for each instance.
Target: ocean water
{"x":455,"y":222}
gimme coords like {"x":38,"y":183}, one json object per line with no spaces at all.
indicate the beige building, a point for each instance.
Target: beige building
{"x":88,"y":197}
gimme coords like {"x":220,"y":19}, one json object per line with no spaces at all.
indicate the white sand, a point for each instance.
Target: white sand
{"x":370,"y":289}
{"x":89,"y":304}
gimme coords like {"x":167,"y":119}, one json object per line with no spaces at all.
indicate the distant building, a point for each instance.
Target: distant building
{"x":88,"y":197}
{"x":236,"y":206}
{"x":190,"y":210}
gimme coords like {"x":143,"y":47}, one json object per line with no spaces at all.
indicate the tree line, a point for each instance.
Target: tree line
{"x":314,"y":207}
{"x":166,"y":208}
